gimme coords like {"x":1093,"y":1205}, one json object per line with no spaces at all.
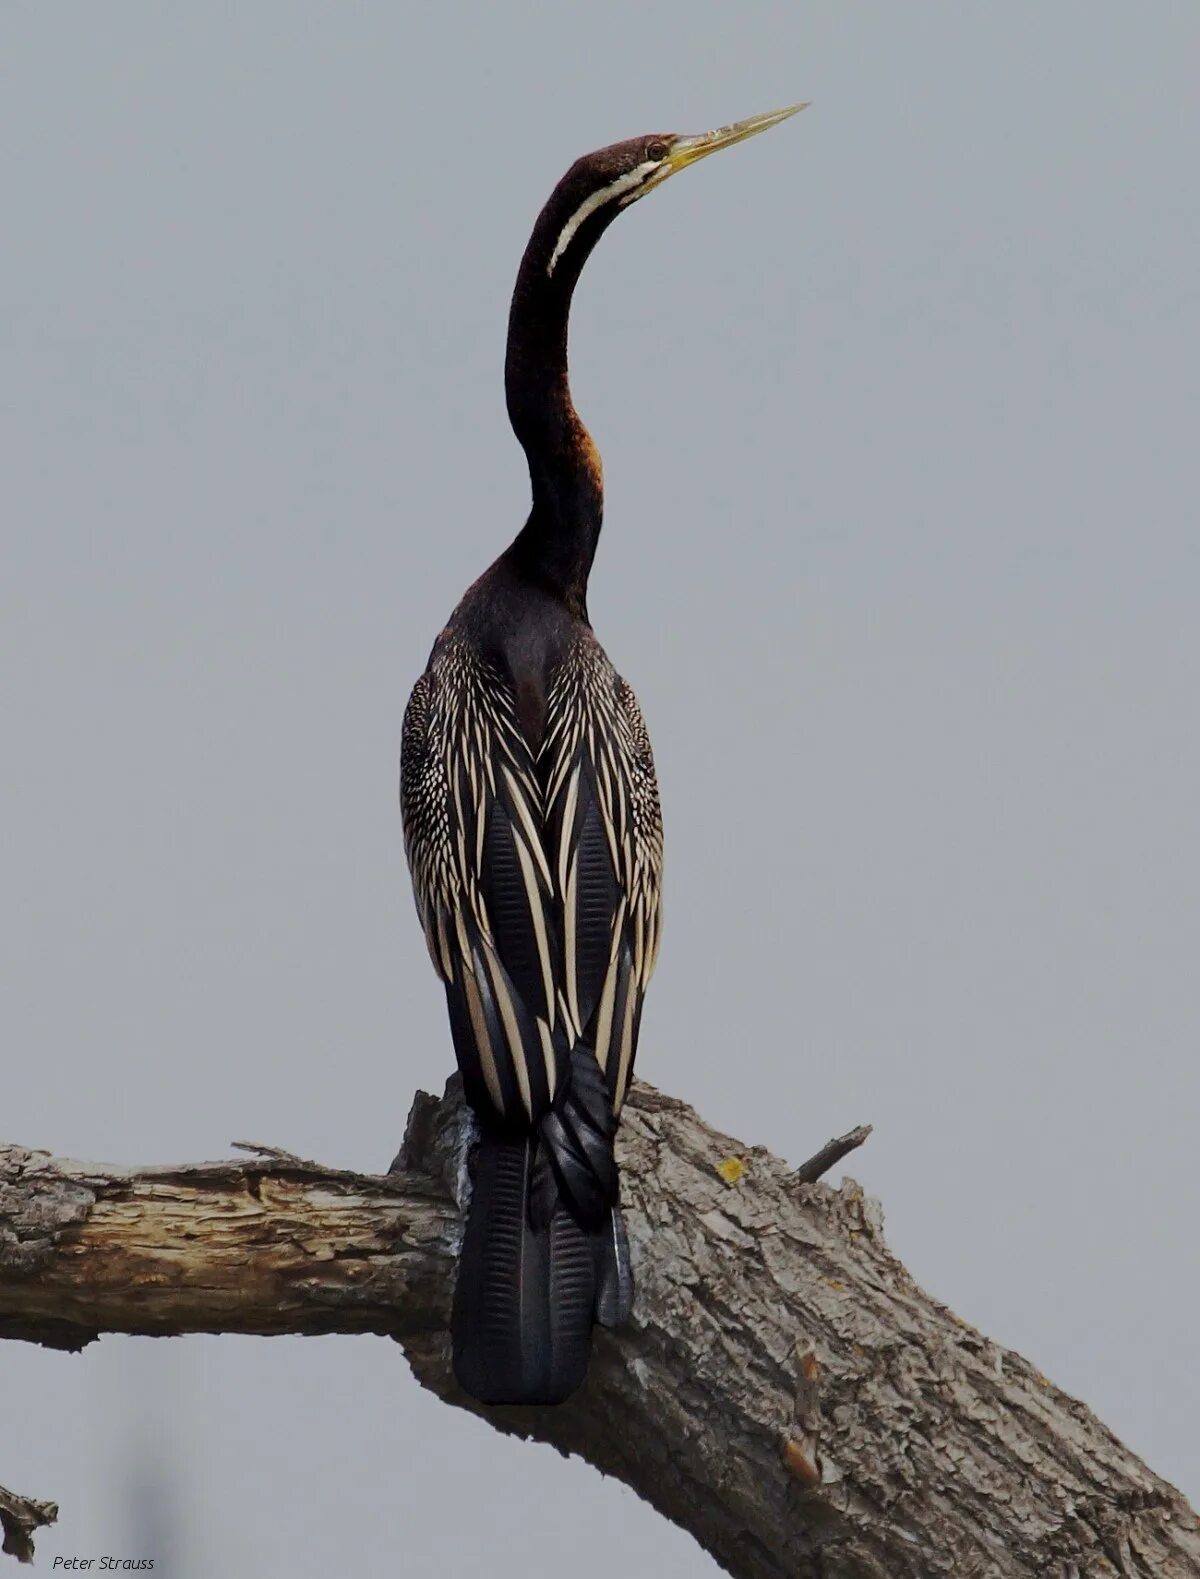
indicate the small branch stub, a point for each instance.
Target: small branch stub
{"x":830,"y":1155}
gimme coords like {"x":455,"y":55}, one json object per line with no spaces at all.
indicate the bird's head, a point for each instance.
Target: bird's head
{"x":559,"y":539}
{"x":598,"y":186}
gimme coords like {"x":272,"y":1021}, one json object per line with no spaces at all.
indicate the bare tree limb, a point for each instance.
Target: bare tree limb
{"x":785,"y":1391}
{"x":19,"y":1518}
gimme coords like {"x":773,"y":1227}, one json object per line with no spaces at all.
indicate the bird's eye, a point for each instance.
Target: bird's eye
{"x":656,"y":150}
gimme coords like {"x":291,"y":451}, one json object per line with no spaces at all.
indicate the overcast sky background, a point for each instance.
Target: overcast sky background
{"x":898,"y":406}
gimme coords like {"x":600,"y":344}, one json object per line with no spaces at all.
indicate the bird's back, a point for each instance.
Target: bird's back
{"x":534,"y":834}
{"x":534,"y":837}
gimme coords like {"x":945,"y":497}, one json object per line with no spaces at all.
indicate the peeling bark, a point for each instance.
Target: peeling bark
{"x":266,"y":1246}
{"x":784,"y":1391}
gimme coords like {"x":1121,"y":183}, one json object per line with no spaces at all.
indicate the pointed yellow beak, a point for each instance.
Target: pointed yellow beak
{"x":686,"y":150}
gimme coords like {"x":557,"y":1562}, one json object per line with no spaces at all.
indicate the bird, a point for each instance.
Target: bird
{"x":533,"y":832}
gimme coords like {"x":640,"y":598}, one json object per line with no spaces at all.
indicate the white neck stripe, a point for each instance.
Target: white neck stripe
{"x":618,"y":188}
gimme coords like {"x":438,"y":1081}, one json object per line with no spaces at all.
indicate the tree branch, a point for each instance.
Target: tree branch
{"x":19,"y":1518}
{"x":785,"y":1391}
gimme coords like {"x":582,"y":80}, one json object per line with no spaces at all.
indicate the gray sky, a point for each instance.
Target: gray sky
{"x":898,"y":407}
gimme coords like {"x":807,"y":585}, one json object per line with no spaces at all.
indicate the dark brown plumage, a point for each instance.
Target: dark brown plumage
{"x":533,"y":831}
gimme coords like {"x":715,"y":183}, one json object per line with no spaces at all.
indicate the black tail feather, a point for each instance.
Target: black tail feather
{"x":544,"y":1254}
{"x":525,"y":1297}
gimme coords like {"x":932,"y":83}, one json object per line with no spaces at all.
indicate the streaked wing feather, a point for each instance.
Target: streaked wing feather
{"x":605,"y":836}
{"x":472,"y":819}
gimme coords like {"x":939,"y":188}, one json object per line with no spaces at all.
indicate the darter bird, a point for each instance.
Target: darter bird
{"x":534,"y":836}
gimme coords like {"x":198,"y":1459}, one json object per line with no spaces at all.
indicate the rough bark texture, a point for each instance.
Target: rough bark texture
{"x":785,"y":1391}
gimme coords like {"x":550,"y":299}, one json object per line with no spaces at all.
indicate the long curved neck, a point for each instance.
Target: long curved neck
{"x":558,"y":543}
